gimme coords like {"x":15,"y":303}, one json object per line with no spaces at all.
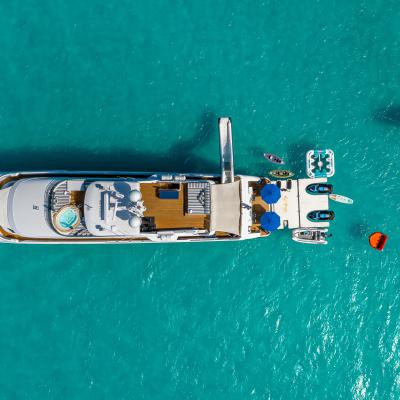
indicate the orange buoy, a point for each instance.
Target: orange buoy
{"x":378,"y":240}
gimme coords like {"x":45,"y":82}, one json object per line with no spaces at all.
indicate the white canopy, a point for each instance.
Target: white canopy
{"x":225,"y":208}
{"x":28,"y":208}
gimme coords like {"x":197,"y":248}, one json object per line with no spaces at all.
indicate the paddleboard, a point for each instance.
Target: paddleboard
{"x":340,"y":199}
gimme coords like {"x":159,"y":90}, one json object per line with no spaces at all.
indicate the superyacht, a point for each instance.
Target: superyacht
{"x":51,"y":207}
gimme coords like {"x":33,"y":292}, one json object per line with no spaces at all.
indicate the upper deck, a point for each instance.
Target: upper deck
{"x":171,"y":210}
{"x":33,"y":207}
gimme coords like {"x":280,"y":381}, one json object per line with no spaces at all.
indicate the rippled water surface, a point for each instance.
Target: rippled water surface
{"x":139,"y":85}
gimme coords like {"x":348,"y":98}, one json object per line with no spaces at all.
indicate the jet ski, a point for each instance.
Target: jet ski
{"x":321,"y":215}
{"x":310,"y":235}
{"x":273,"y":158}
{"x":319,"y":188}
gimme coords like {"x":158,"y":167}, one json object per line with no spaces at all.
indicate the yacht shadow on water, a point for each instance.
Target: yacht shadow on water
{"x":358,"y":230}
{"x":297,"y":157}
{"x":180,"y":157}
{"x":388,"y":115}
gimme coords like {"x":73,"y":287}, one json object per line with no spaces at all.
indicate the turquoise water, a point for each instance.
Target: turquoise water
{"x":139,"y":86}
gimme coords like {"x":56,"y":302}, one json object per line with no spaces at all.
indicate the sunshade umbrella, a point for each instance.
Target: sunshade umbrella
{"x":270,"y":193}
{"x":270,"y":221}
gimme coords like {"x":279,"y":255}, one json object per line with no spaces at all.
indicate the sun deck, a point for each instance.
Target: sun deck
{"x":170,"y":213}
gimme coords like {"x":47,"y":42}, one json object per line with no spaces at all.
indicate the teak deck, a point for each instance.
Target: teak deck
{"x":169,"y":214}
{"x":259,"y":208}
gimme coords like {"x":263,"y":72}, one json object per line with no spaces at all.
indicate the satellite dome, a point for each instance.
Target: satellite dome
{"x":135,"y":196}
{"x":135,"y":221}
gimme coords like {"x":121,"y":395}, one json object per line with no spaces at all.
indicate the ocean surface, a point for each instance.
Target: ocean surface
{"x":139,"y":85}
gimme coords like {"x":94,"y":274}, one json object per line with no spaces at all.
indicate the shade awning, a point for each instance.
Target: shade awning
{"x":225,"y":208}
{"x":28,"y":207}
{"x":270,"y":193}
{"x":270,"y":221}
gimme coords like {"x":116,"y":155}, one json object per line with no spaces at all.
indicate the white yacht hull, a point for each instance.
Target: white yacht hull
{"x":8,"y":177}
